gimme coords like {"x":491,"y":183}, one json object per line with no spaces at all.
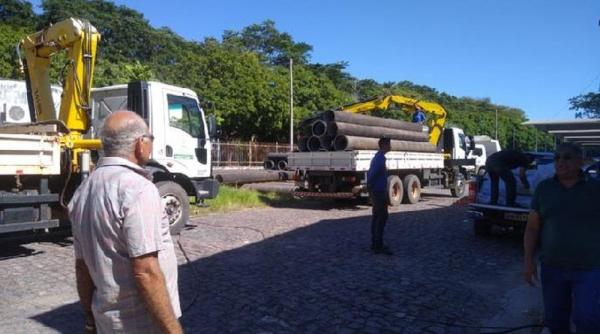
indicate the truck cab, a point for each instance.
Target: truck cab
{"x":181,"y":157}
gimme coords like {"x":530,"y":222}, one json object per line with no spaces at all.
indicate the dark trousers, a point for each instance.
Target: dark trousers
{"x":569,"y":293}
{"x":510,"y":184}
{"x":380,"y":216}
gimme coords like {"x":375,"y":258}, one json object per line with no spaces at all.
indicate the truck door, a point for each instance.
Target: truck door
{"x":187,"y":146}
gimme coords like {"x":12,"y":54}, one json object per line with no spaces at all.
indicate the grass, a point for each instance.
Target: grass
{"x":233,"y":199}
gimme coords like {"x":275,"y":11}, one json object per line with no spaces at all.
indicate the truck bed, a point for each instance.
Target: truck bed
{"x":360,"y":160}
{"x":29,"y":150}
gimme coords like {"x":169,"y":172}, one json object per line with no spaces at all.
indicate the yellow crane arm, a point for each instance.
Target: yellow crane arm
{"x":79,"y":38}
{"x":435,"y":123}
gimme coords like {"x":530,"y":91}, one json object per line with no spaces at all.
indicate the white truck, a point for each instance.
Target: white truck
{"x":342,"y":174}
{"x":43,"y":160}
{"x":484,"y":147}
{"x":181,"y":163}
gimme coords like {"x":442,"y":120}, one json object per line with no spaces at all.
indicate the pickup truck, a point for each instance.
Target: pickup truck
{"x":484,"y":215}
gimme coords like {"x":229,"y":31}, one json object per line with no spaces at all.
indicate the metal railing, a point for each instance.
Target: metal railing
{"x":243,"y":154}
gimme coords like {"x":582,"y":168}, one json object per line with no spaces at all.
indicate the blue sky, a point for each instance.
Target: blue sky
{"x":532,"y":54}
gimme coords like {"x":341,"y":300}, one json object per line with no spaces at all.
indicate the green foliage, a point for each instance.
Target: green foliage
{"x":231,"y":198}
{"x":17,"y":13}
{"x":9,"y":37}
{"x":243,"y":78}
{"x":273,"y":46}
{"x":589,"y":104}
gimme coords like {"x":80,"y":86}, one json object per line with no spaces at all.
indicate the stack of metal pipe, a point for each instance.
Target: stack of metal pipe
{"x":338,"y":130}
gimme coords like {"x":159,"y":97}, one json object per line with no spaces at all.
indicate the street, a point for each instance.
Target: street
{"x":304,"y":268}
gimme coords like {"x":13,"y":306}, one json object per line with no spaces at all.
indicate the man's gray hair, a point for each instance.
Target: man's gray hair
{"x":120,"y":141}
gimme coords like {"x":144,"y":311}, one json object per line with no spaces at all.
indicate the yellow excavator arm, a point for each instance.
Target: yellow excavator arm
{"x":436,"y":122}
{"x":79,"y":38}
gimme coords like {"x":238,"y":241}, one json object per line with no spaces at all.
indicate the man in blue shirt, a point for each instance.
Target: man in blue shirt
{"x":418,"y":116}
{"x":565,"y":217}
{"x":377,"y":185}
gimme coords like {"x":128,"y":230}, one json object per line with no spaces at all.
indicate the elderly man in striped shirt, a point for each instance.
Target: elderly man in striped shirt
{"x":125,"y":259}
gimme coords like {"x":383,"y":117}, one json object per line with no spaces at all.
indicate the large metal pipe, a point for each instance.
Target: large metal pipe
{"x":319,"y":128}
{"x":303,"y":144}
{"x":269,"y":164}
{"x":305,"y":126}
{"x":349,"y":129}
{"x":313,"y":144}
{"x":282,"y":164}
{"x":239,"y":177}
{"x":347,"y":117}
{"x":326,"y":142}
{"x":346,"y":143}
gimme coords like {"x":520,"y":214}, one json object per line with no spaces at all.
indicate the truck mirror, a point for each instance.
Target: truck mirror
{"x":212,"y":126}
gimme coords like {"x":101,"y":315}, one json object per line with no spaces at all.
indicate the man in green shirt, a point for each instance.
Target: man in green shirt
{"x":565,"y":217}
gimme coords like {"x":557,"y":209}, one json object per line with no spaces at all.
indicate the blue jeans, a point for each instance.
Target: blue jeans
{"x":571,"y":292}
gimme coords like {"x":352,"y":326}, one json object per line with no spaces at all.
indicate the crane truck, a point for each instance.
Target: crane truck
{"x":342,"y":174}
{"x":43,"y":162}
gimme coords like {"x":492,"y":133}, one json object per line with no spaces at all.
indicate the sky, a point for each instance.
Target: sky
{"x":533,"y":55}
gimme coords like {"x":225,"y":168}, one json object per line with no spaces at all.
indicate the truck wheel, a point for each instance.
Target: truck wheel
{"x":459,"y":189}
{"x":412,"y":189}
{"x":176,"y":204}
{"x":395,"y":190}
{"x":482,"y":228}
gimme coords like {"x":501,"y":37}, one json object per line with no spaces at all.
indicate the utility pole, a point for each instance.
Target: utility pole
{"x":496,"y":136}
{"x":513,"y":135}
{"x":291,"y":105}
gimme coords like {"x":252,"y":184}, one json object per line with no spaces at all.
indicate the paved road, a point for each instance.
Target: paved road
{"x":302,"y":269}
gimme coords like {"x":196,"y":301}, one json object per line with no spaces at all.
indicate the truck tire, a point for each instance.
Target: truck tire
{"x":459,"y":189}
{"x":176,"y":204}
{"x":482,"y":228}
{"x":395,"y":190}
{"x":412,"y":189}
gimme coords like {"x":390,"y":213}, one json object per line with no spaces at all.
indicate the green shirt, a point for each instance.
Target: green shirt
{"x":570,"y":231}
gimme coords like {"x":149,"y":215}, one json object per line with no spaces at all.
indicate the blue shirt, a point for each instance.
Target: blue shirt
{"x":377,"y":174}
{"x":418,"y":117}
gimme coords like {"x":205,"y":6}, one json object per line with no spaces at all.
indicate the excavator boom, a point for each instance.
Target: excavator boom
{"x":436,"y":122}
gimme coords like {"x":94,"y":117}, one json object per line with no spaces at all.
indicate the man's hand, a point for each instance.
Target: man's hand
{"x":530,"y":272}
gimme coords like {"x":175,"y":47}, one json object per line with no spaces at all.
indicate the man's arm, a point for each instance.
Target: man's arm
{"x":85,"y":289}
{"x":153,"y":289}
{"x":523,"y":177}
{"x":532,"y":232}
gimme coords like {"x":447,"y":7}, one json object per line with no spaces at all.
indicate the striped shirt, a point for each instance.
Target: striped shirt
{"x":117,"y":214}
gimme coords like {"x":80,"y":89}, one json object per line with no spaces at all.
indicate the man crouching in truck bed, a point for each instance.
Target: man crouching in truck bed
{"x":565,"y":216}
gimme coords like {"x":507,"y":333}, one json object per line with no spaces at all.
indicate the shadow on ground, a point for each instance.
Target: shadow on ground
{"x":323,"y":279}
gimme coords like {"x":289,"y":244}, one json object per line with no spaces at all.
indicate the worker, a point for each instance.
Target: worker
{"x":418,"y":116}
{"x":499,"y":166}
{"x":126,"y":269}
{"x":377,"y":186}
{"x":565,"y":217}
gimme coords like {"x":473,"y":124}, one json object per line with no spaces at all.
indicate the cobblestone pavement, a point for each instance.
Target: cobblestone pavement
{"x":298,"y":269}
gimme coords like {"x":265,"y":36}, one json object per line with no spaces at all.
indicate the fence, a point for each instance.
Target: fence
{"x":243,"y":154}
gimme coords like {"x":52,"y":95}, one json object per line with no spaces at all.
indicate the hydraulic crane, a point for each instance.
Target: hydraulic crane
{"x":435,"y":123}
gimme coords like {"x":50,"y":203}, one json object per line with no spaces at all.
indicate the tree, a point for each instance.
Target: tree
{"x":273,"y":46}
{"x":17,"y":13}
{"x":589,"y":103}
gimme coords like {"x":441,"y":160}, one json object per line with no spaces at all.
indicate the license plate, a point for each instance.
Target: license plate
{"x":520,"y":217}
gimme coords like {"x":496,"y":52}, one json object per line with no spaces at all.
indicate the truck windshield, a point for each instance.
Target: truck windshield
{"x":185,"y":114}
